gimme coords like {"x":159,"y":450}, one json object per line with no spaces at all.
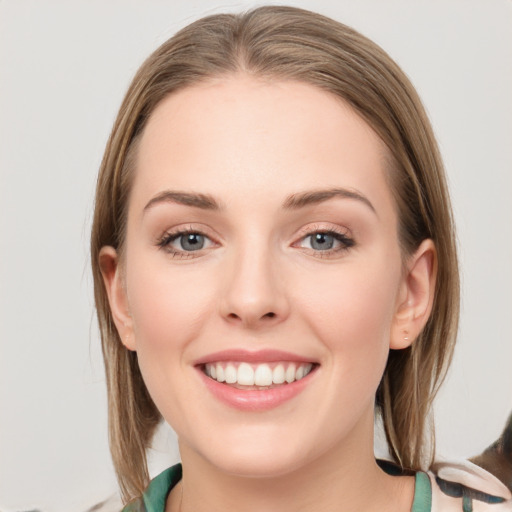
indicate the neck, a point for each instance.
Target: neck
{"x":345,"y":478}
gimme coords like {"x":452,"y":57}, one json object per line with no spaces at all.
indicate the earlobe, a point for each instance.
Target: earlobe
{"x":112,"y":277}
{"x":416,"y":296}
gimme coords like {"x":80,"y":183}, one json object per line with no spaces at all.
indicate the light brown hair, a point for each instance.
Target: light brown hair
{"x":285,"y":43}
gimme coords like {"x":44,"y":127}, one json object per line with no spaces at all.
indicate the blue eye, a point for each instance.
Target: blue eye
{"x":191,"y":241}
{"x":321,"y":241}
{"x":326,"y":242}
{"x":184,"y":242}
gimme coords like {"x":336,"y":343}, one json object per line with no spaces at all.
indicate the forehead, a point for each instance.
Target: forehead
{"x":242,"y":135}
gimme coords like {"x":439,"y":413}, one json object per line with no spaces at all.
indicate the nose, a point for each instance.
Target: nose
{"x":255,"y":295}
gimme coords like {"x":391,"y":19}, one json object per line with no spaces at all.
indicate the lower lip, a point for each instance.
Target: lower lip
{"x":255,"y":400}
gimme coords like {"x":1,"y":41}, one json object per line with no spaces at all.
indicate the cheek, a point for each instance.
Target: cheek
{"x":351,"y":312}
{"x":167,"y":306}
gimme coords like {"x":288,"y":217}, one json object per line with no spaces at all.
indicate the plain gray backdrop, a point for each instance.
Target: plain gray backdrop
{"x":64,"y":68}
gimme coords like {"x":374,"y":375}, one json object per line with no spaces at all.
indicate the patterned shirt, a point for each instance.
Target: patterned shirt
{"x":432,"y":493}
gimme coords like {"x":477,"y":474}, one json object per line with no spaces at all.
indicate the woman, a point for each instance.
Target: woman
{"x":274,"y":260}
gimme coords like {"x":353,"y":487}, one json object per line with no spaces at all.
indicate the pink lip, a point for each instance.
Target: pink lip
{"x":250,"y":399}
{"x":255,"y":400}
{"x":258,"y":356}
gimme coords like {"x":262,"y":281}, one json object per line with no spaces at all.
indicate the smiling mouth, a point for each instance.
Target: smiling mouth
{"x":250,"y":376}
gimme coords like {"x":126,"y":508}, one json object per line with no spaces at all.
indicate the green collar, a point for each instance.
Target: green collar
{"x":155,"y":496}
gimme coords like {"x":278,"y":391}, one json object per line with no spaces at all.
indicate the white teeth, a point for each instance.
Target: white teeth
{"x":221,"y":377}
{"x":230,"y":374}
{"x":245,"y":375}
{"x":278,"y":376}
{"x":263,"y":375}
{"x":290,"y":373}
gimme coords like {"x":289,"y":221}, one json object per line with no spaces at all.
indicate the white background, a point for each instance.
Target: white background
{"x":64,"y":67}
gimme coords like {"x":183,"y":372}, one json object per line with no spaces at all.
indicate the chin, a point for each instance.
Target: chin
{"x":264,"y":466}
{"x":250,"y":454}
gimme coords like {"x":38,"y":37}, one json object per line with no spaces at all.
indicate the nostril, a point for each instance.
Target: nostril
{"x":250,"y":319}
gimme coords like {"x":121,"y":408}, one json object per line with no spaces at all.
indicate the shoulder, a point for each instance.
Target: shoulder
{"x":464,"y":486}
{"x":155,"y":496}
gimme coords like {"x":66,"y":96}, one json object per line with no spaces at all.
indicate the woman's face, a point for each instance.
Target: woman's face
{"x":261,"y":247}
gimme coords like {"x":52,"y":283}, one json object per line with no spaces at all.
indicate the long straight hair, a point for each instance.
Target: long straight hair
{"x":285,"y":43}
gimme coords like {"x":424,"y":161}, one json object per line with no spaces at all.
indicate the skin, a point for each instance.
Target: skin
{"x":258,"y":283}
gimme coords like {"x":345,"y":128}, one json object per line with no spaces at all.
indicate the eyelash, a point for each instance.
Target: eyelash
{"x":165,"y":242}
{"x":345,"y":242}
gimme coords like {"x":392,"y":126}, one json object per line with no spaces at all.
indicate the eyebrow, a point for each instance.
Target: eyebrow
{"x":203,"y":201}
{"x":300,"y":200}
{"x":292,"y":202}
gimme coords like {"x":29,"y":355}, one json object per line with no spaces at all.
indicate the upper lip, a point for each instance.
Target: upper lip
{"x":253,"y":356}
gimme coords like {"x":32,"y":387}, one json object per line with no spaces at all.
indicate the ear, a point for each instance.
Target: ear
{"x":112,"y":277}
{"x":415,"y":297}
